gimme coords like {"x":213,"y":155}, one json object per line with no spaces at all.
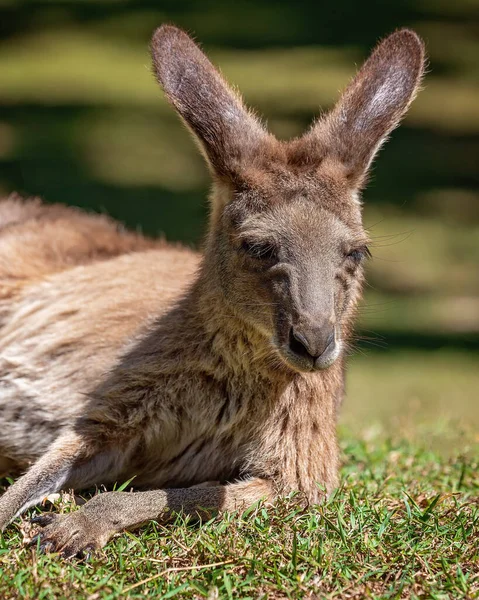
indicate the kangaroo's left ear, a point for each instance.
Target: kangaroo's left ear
{"x":373,"y":103}
{"x":227,"y":132}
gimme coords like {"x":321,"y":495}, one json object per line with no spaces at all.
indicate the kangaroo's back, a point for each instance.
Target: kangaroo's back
{"x":37,"y":239}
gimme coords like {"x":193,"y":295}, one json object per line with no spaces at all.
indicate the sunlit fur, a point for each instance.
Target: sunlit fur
{"x":126,"y":357}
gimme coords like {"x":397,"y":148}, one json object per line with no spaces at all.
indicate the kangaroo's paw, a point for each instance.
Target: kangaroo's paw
{"x":71,"y":535}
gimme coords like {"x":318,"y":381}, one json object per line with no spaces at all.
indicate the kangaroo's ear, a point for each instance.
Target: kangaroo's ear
{"x":211,"y":109}
{"x":373,"y":103}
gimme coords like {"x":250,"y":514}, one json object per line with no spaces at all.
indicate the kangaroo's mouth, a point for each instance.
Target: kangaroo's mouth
{"x":298,"y":359}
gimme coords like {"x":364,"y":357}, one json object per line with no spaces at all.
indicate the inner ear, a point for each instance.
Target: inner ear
{"x":373,"y":103}
{"x":226,"y":130}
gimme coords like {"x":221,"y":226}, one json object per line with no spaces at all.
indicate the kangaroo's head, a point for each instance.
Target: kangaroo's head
{"x":286,"y":241}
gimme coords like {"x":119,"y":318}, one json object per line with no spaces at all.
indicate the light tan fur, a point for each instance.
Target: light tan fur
{"x":122,"y":356}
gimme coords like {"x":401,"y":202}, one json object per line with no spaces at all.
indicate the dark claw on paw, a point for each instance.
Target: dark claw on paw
{"x":70,"y":552}
{"x":42,"y":520}
{"x":47,"y":547}
{"x":35,"y":539}
{"x":87,"y":552}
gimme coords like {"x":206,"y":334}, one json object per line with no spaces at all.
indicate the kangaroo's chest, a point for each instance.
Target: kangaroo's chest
{"x":209,"y":439}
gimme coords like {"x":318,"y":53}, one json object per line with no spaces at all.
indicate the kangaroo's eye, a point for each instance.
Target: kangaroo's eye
{"x":359,"y":254}
{"x":259,"y":250}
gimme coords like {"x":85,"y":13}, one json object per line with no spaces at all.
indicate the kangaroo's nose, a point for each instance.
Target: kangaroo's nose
{"x":311,"y":341}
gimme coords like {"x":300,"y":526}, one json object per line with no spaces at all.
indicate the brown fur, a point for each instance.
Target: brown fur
{"x":123,"y":356}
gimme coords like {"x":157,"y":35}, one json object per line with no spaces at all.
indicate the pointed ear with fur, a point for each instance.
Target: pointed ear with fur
{"x":215,"y":114}
{"x":373,"y":103}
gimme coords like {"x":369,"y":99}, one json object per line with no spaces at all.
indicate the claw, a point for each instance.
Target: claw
{"x":46,"y":547}
{"x":87,"y":552}
{"x":43,"y":520}
{"x":70,"y":552}
{"x":35,"y":539}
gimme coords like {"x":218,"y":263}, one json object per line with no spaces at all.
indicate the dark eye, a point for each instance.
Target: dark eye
{"x":359,"y":254}
{"x":259,"y":250}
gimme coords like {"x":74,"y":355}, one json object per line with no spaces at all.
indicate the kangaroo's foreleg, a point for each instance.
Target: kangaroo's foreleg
{"x":69,"y":461}
{"x":90,"y":527}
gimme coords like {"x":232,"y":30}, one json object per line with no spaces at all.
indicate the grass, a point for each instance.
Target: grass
{"x":404,"y":523}
{"x":83,"y":121}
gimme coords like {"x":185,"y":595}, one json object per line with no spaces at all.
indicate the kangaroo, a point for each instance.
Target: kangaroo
{"x":214,"y":380}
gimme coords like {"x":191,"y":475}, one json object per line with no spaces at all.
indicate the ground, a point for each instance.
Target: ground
{"x":403,"y":524}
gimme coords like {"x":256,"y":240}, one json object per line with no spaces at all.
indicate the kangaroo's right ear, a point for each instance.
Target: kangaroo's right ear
{"x":373,"y":103}
{"x":215,"y":114}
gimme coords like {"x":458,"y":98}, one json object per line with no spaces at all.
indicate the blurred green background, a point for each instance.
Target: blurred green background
{"x":83,"y":122}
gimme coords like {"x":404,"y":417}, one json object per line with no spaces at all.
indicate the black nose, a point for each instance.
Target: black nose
{"x":311,"y":342}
